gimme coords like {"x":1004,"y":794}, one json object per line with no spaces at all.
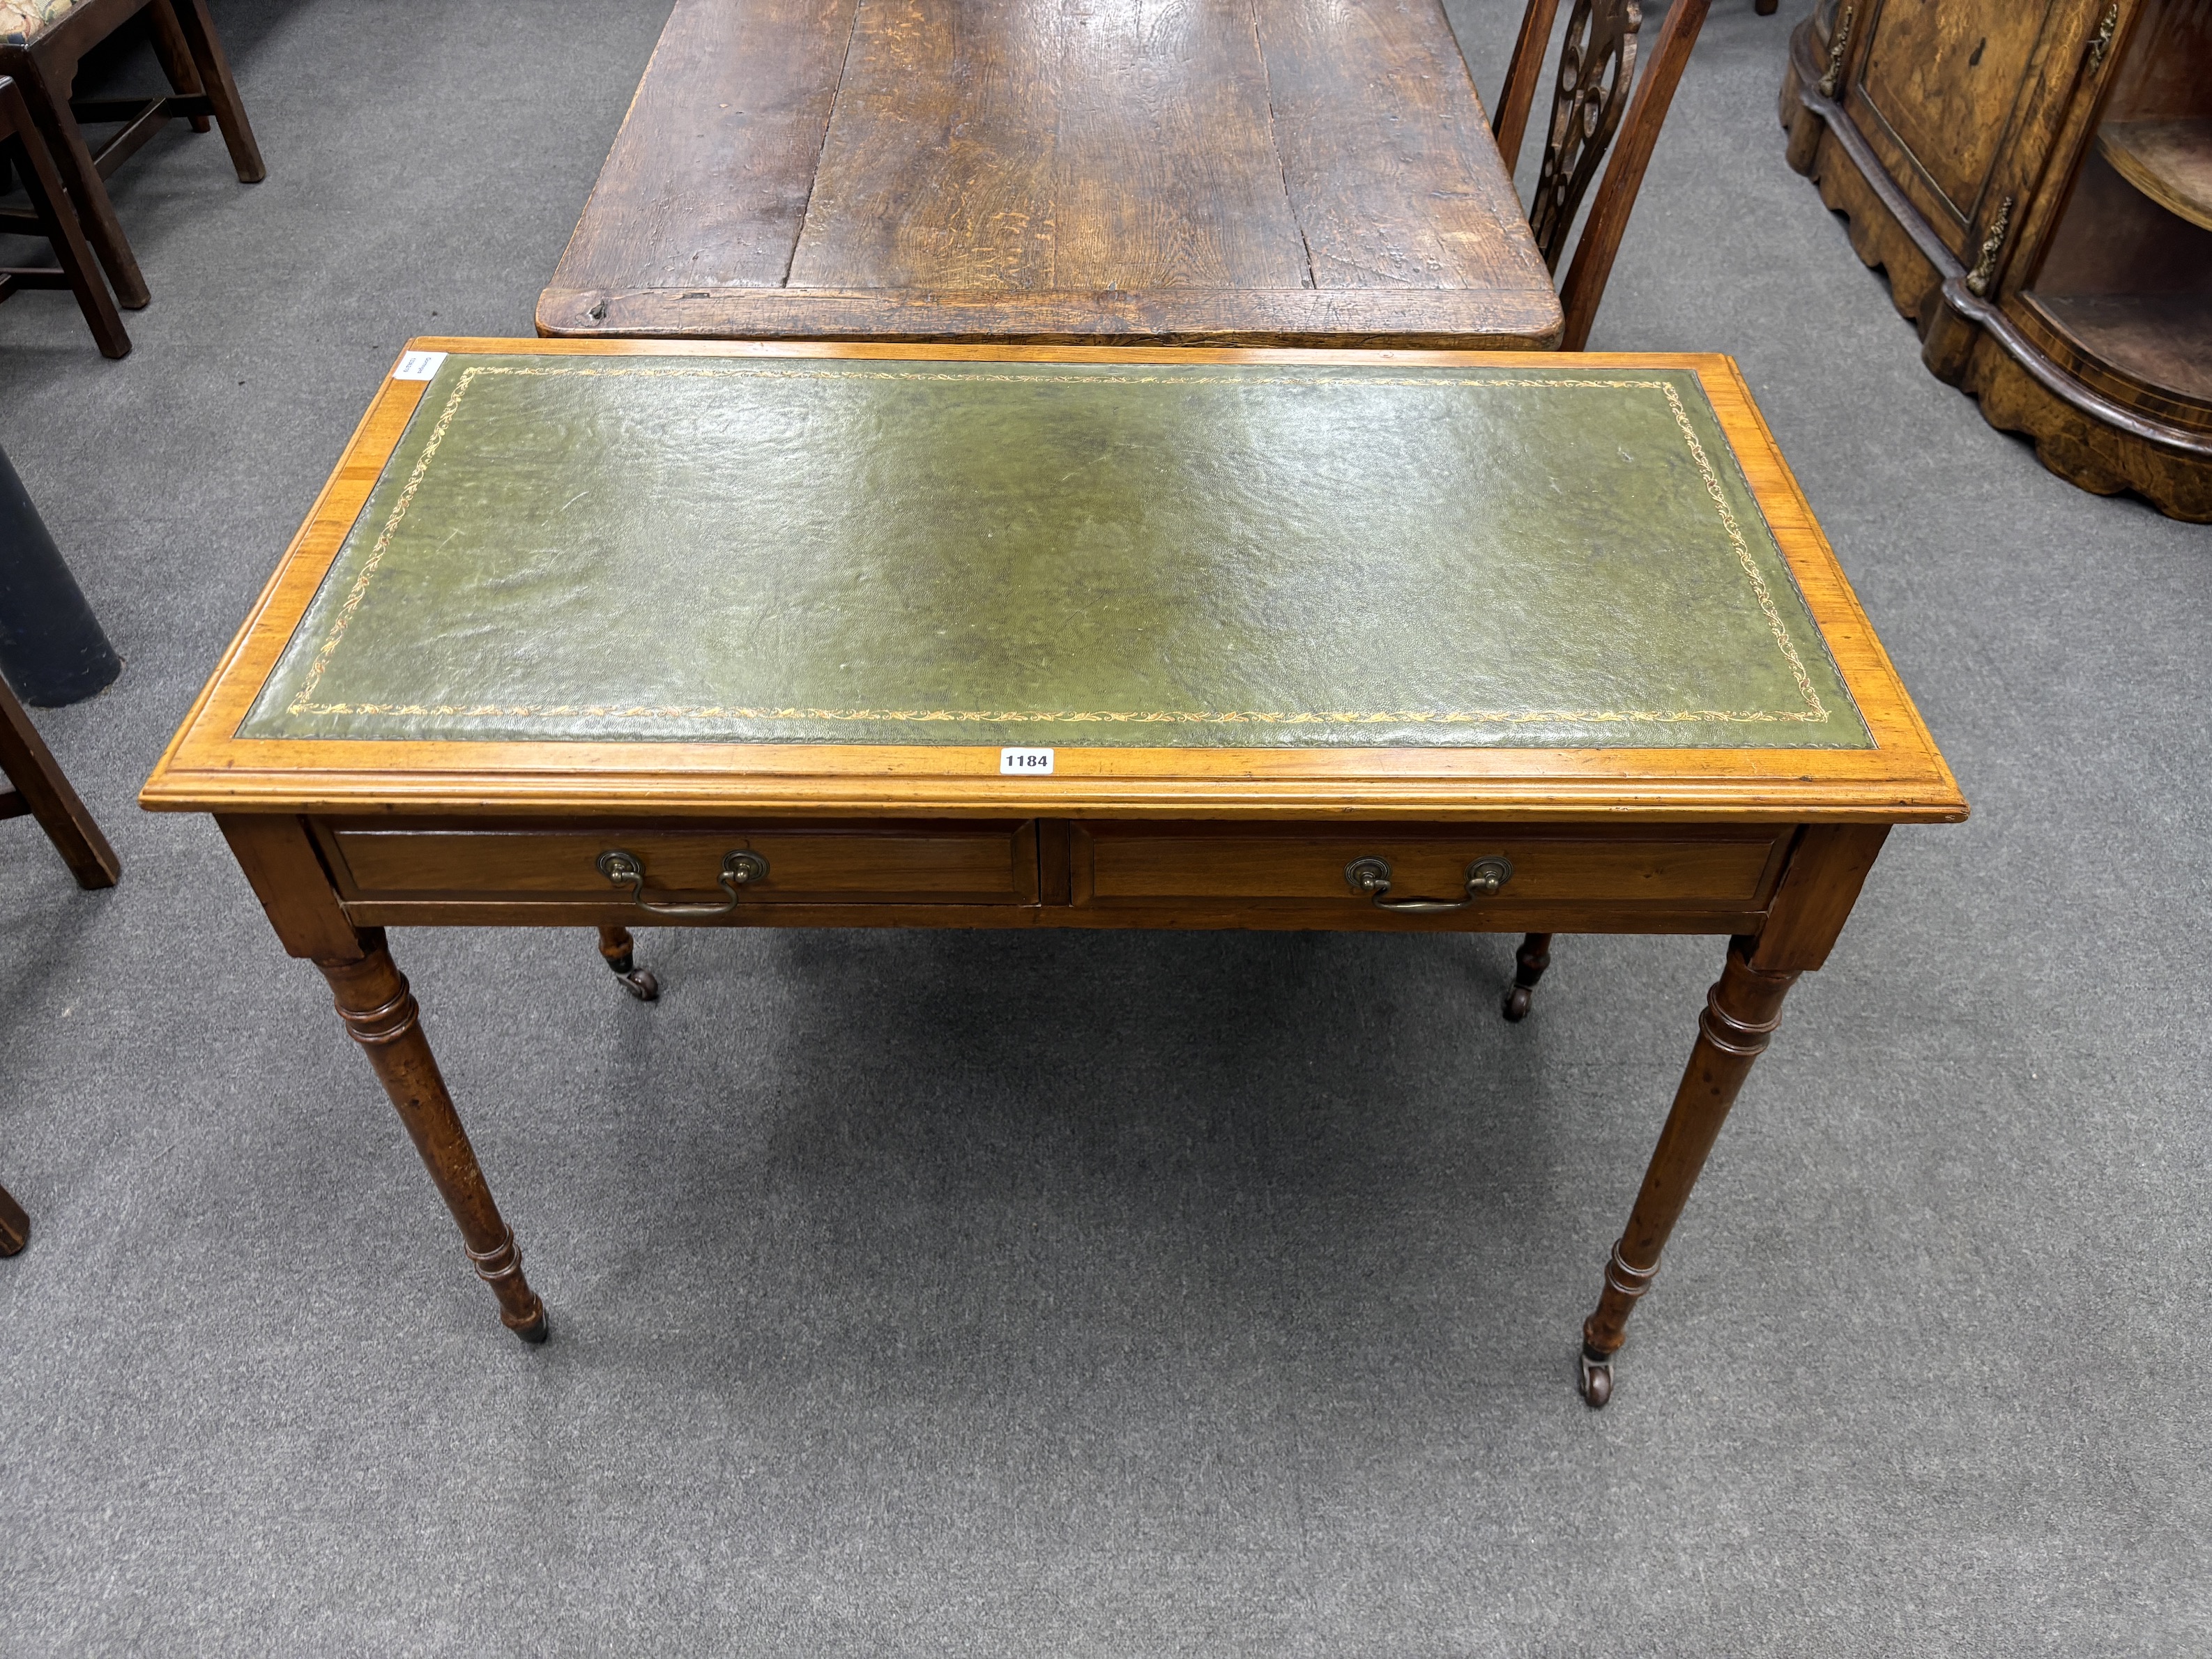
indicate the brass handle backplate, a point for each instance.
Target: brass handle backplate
{"x":626,"y":869}
{"x":1371,"y":875}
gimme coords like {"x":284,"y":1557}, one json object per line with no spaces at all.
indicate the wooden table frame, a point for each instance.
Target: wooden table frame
{"x":1767,"y":847}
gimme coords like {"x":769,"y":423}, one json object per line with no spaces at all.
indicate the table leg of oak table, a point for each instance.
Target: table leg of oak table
{"x":1826,"y":868}
{"x":380,"y":1015}
{"x":279,"y":857}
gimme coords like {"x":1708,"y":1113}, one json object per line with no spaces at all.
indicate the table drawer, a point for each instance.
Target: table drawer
{"x":948,"y":862}
{"x":1707,"y":869}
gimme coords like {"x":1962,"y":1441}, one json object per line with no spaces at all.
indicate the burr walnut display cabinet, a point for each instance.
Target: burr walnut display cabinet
{"x":2036,"y":176}
{"x":594,"y":633}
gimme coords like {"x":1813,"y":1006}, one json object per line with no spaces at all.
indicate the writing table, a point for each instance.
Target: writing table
{"x":595,"y":633}
{"x":1305,"y":172}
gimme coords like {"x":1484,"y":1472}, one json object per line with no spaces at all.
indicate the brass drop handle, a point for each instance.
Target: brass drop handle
{"x":1484,"y":876}
{"x":628,"y":869}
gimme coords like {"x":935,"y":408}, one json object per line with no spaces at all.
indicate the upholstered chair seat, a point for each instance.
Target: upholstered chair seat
{"x":22,"y":21}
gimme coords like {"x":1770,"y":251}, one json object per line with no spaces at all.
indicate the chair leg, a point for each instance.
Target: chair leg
{"x":198,"y":30}
{"x":65,"y":145}
{"x":1529,"y":964}
{"x":51,"y":204}
{"x":29,"y":765}
{"x":15,"y":1225}
{"x":176,"y":56}
{"x":619,"y":950}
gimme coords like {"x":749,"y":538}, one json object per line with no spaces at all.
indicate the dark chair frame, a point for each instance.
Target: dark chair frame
{"x":42,"y":791}
{"x":45,"y":68}
{"x":1601,"y":93}
{"x":23,"y":147}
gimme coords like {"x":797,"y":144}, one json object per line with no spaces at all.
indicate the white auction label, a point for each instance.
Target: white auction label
{"x":1025,"y":762}
{"x":418,"y":365}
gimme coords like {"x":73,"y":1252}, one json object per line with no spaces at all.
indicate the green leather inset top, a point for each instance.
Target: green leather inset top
{"x":1164,"y":557}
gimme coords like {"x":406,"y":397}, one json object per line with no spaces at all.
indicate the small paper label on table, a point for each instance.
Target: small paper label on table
{"x":418,"y":365}
{"x":1025,"y":762}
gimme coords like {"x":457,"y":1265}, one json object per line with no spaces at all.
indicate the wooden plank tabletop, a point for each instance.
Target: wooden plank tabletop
{"x":1218,"y":172}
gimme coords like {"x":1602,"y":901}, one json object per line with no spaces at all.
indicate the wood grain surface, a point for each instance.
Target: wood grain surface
{"x":2170,"y":162}
{"x":1940,"y":79}
{"x":1185,"y":861}
{"x":966,"y":863}
{"x":1050,"y":171}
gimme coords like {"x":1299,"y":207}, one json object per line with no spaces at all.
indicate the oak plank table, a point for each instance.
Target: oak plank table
{"x":595,"y":634}
{"x":1306,"y":172}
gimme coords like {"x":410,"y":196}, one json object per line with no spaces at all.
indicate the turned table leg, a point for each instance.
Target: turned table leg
{"x":1742,"y":1012}
{"x":618,"y":947}
{"x":380,"y":1014}
{"x":15,"y":1225}
{"x":1529,"y":964}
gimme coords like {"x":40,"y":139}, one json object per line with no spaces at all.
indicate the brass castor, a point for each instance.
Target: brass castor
{"x":1596,"y":1377}
{"x":1529,"y":964}
{"x":618,"y":948}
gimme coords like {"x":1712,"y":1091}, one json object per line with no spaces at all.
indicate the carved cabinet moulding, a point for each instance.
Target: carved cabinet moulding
{"x":2074,"y":300}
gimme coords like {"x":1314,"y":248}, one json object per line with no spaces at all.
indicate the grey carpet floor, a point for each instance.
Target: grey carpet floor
{"x":934,"y":1294}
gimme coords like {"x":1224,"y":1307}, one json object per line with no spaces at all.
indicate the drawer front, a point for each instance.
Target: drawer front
{"x":1717,"y":870}
{"x":925,"y":863}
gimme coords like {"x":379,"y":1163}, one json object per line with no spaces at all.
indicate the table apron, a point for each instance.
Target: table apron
{"x":1552,"y":918}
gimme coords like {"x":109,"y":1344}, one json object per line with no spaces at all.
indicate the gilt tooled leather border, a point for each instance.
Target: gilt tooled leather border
{"x":1815,"y":711}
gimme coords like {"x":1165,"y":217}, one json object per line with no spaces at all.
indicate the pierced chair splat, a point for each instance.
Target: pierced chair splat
{"x":1611,"y":95}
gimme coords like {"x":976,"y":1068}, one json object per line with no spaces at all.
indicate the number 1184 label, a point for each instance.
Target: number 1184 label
{"x":1025,"y":762}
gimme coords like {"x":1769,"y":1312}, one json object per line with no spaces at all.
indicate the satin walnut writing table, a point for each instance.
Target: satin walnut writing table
{"x":595,"y":634}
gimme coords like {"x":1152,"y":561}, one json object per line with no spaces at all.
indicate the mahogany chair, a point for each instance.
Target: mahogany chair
{"x":24,"y":147}
{"x":1609,"y":88}
{"x":42,"y":44}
